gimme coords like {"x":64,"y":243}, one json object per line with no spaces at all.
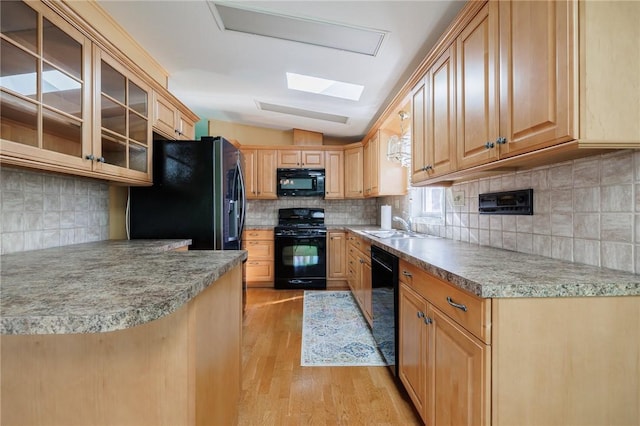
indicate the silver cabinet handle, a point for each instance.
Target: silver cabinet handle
{"x":420,"y":314}
{"x":501,"y":140}
{"x":100,"y":160}
{"x":456,"y":305}
{"x":428,"y":320}
{"x":90,"y":157}
{"x":407,"y":274}
{"x":489,"y":145}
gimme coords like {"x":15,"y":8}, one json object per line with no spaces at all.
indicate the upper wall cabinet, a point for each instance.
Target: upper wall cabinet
{"x":301,"y":158}
{"x":522,"y":52}
{"x":46,"y":89}
{"x":122,"y":121}
{"x":434,"y":120}
{"x":477,"y":109}
{"x":334,"y":181}
{"x":353,"y":172}
{"x":71,"y":102}
{"x":534,"y":83}
{"x":260,"y":173}
{"x":382,"y":177}
{"x":170,"y":121}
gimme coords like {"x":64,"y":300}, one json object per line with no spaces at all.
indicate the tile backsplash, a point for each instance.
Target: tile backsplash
{"x":585,"y":211}
{"x":337,"y":212}
{"x":41,"y":210}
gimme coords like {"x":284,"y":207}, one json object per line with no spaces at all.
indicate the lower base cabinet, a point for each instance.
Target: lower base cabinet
{"x":443,"y":367}
{"x":517,"y":361}
{"x":359,"y":273}
{"x":337,"y":272}
{"x":259,"y":267}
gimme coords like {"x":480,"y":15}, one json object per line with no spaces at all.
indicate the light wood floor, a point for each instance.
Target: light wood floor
{"x":276,"y":390}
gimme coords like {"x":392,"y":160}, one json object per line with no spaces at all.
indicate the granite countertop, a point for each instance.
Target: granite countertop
{"x":491,"y":272}
{"x":103,"y":286}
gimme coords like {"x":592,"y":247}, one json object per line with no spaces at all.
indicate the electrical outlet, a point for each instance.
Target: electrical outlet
{"x":458,"y":198}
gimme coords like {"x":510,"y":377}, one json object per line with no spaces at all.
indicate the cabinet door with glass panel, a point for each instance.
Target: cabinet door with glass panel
{"x":45,"y":77}
{"x":122,"y":132}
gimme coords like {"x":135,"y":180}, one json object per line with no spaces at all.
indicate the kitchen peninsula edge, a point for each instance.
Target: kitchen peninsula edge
{"x":132,"y":332}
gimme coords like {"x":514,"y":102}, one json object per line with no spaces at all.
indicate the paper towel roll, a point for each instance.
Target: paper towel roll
{"x":385,"y":217}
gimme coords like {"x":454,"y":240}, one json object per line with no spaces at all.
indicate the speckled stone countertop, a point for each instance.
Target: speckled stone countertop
{"x":103,"y":286}
{"x":491,"y":272}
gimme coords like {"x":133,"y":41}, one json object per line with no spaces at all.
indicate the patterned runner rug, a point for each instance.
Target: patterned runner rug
{"x":334,"y":332}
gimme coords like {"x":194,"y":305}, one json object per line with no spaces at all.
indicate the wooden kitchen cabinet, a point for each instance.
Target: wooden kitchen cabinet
{"x":413,"y":346}
{"x":535,"y":83}
{"x":382,"y":177}
{"x":50,"y":129}
{"x":537,"y":70}
{"x":476,"y":89}
{"x":170,"y":121}
{"x":260,"y":173}
{"x":337,"y":259}
{"x":353,"y":172}
{"x":307,"y":159}
{"x":491,"y":358}
{"x":307,"y":137}
{"x":124,"y":146}
{"x":99,"y":124}
{"x":334,"y":174}
{"x":441,"y":362}
{"x":434,"y":120}
{"x":259,"y":267}
{"x":359,"y":273}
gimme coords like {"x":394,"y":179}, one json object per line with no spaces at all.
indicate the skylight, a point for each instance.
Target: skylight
{"x":321,"y":86}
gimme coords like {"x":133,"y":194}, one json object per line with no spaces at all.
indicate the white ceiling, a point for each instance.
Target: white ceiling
{"x":222,"y":74}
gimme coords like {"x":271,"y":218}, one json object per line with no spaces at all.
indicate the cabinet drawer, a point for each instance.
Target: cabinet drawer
{"x":259,"y":249}
{"x":259,"y":270}
{"x":258,"y":234}
{"x":471,"y":312}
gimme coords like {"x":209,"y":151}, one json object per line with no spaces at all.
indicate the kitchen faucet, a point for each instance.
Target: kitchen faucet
{"x":405,"y":223}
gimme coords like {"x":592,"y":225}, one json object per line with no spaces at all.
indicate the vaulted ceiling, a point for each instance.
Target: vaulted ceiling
{"x":225,"y":74}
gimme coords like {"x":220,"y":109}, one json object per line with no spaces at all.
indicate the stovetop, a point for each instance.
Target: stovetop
{"x":300,"y":221}
{"x":301,"y":217}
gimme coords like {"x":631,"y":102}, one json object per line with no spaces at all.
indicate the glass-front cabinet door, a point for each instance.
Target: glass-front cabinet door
{"x":122,"y":132}
{"x":45,"y":102}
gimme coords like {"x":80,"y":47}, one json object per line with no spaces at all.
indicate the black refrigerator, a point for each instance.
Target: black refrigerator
{"x":198,"y":192}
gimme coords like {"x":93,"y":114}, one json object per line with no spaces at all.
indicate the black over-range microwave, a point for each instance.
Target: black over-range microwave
{"x":300,"y":182}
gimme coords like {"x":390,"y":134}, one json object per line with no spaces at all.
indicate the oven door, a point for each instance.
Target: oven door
{"x":300,"y":262}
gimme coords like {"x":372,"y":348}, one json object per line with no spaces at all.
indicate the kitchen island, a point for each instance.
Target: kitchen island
{"x":510,"y":338}
{"x":121,"y":332}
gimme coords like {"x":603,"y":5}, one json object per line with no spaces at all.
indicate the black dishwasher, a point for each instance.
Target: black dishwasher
{"x":384,"y":304}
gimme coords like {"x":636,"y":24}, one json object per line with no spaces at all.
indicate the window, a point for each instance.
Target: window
{"x":427,"y":204}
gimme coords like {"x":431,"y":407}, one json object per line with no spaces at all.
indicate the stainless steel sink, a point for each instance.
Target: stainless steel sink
{"x":396,"y":234}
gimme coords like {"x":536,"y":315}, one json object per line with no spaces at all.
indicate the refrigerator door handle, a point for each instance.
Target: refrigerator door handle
{"x":243,"y":198}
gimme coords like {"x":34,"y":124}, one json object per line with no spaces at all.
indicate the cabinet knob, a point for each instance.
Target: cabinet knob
{"x":90,"y":157}
{"x":407,"y":274}
{"x":427,"y":168}
{"x":501,"y":140}
{"x":100,"y":160}
{"x":489,"y":145}
{"x":428,"y":320}
{"x":420,"y":314}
